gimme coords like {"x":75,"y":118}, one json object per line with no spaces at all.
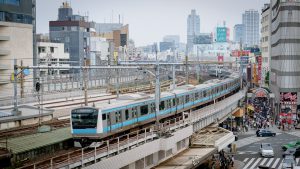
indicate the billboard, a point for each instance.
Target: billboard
{"x":259,"y":62}
{"x":288,"y":101}
{"x":220,"y":58}
{"x":238,"y":53}
{"x":221,"y":34}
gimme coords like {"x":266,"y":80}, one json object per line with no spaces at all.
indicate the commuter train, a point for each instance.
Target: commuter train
{"x":131,"y":110}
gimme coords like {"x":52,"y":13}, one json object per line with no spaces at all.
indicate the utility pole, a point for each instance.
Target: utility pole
{"x":85,"y":84}
{"x":22,"y":82}
{"x":198,"y":66}
{"x":186,"y":69}
{"x":15,"y":110}
{"x":157,"y":89}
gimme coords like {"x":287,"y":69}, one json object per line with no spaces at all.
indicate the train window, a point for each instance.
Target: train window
{"x":103,"y":116}
{"x":162,"y":105}
{"x":118,"y":116}
{"x":174,"y":102}
{"x":177,"y":101}
{"x":152,"y":108}
{"x":187,"y":98}
{"x":169,"y":104}
{"x":144,"y":110}
{"x":134,"y":112}
{"x":126,"y":114}
{"x":204,"y":93}
{"x":196,"y":96}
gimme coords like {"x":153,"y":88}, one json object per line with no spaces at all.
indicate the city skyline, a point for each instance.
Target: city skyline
{"x":143,"y":19}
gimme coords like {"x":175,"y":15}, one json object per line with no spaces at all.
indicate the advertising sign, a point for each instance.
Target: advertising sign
{"x":288,"y":100}
{"x":221,"y":34}
{"x":238,"y":53}
{"x":220,"y":58}
{"x":259,"y":62}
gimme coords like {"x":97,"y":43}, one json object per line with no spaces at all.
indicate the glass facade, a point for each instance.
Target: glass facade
{"x":10,"y":2}
{"x":14,"y":17}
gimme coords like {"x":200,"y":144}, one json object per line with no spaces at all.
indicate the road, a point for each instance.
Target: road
{"x":248,"y":149}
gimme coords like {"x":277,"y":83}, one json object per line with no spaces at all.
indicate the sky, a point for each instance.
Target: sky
{"x":150,"y":20}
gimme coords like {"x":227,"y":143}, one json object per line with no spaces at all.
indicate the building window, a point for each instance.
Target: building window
{"x":10,"y":2}
{"x":52,"y":49}
{"x":41,"y":49}
{"x":14,"y":17}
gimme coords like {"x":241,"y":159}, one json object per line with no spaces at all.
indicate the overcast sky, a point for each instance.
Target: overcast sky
{"x":150,"y":20}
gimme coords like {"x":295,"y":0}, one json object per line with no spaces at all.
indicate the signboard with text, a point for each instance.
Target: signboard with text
{"x":221,"y":34}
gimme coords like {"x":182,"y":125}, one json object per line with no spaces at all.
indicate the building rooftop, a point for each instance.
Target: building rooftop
{"x":29,"y":142}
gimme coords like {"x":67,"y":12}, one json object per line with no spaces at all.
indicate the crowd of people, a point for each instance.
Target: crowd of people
{"x":224,"y":161}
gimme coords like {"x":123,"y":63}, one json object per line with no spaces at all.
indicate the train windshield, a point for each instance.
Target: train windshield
{"x":84,"y":118}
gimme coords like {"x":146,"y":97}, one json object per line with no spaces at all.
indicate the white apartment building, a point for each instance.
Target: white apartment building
{"x":99,"y":50}
{"x":52,"y":54}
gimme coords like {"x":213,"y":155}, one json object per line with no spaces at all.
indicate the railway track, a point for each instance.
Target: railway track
{"x":31,"y":129}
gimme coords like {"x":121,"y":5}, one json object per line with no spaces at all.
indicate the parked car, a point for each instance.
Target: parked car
{"x":266,"y":150}
{"x":264,"y":133}
{"x":292,"y":144}
{"x":288,"y":162}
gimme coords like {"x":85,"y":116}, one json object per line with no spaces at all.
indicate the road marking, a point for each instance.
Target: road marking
{"x":269,"y":163}
{"x":275,"y":163}
{"x":256,"y":162}
{"x":245,"y":160}
{"x":297,"y":161}
{"x":263,"y":161}
{"x":248,"y":164}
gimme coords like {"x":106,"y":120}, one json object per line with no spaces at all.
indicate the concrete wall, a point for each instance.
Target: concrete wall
{"x":150,"y":154}
{"x":18,"y":46}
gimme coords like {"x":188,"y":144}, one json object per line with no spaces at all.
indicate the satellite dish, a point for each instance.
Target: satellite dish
{"x":26,"y":72}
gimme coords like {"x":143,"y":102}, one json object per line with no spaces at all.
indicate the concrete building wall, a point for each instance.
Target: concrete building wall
{"x":15,"y":43}
{"x":53,"y":54}
{"x":265,"y":41}
{"x":285,"y":51}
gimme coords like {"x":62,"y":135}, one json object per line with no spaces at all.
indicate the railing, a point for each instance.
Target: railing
{"x":112,"y":147}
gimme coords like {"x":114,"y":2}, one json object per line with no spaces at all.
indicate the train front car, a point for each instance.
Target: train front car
{"x":86,"y":123}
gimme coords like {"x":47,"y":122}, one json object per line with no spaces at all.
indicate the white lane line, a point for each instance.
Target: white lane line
{"x":275,"y":163}
{"x":245,"y":160}
{"x":254,"y":164}
{"x":248,"y":164}
{"x":263,"y":161}
{"x":270,"y":161}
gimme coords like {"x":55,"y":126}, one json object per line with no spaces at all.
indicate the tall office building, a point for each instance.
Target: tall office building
{"x":285,"y":60}
{"x":193,"y":28}
{"x":16,"y":40}
{"x":73,"y":31}
{"x":238,"y":33}
{"x":251,"y":22}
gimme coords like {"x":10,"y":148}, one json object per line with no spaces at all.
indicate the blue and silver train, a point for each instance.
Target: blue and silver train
{"x":132,"y":110}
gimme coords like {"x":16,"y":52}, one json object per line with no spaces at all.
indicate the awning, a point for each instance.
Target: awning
{"x":238,"y":113}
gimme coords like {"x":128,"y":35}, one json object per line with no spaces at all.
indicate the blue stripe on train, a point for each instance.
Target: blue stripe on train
{"x":84,"y":131}
{"x":152,"y":115}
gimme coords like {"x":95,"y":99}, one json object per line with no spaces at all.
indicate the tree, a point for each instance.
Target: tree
{"x":267,"y":78}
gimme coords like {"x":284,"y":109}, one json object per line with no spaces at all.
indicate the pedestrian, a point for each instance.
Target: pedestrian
{"x":232,"y":161}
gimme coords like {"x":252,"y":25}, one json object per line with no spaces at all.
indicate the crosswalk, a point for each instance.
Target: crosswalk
{"x":253,"y":163}
{"x":250,"y":140}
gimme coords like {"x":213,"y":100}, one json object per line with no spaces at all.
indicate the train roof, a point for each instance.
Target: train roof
{"x":136,"y":98}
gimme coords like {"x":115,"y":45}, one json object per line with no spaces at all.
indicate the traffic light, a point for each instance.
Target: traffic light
{"x":37,"y":86}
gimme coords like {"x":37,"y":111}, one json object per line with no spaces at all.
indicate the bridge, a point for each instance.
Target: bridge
{"x":149,"y":148}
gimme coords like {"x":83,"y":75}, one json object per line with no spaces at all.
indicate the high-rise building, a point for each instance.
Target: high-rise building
{"x":16,"y":40}
{"x":193,"y":28}
{"x":285,"y":60}
{"x":73,"y":31}
{"x":175,"y":39}
{"x":238,"y":33}
{"x":163,"y":46}
{"x":265,"y":41}
{"x":251,"y":22}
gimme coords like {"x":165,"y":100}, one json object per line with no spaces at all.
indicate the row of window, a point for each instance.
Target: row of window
{"x":13,"y":17}
{"x":265,"y":29}
{"x":164,"y":105}
{"x":265,"y":39}
{"x":10,"y":2}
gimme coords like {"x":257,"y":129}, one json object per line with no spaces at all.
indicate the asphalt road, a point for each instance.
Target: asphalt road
{"x":249,"y":154}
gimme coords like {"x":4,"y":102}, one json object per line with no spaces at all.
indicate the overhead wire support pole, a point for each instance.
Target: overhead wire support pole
{"x":157,"y":89}
{"x":15,"y":110}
